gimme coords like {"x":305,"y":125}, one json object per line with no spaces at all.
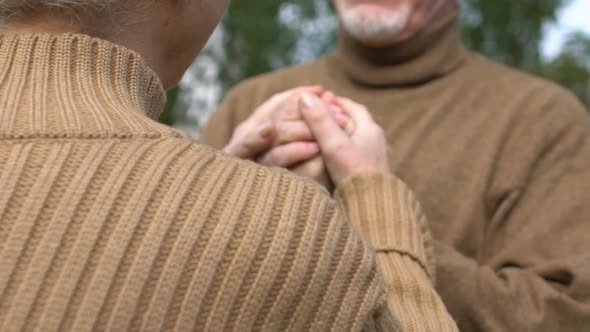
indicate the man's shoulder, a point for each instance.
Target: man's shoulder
{"x":530,"y":93}
{"x":509,"y":80}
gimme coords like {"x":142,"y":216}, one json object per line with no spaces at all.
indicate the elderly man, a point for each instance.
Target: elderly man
{"x":498,"y":159}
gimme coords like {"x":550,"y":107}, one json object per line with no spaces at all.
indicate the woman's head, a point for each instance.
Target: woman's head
{"x":167,"y":33}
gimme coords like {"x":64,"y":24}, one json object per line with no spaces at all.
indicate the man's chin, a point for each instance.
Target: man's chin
{"x":374,"y":25}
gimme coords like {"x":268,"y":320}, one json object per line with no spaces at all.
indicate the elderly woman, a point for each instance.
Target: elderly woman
{"x":111,"y":221}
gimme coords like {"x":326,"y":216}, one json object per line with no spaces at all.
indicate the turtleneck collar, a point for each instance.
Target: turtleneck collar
{"x":426,"y":56}
{"x":62,"y":85}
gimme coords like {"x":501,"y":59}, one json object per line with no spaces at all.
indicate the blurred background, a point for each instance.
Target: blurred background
{"x":550,"y":38}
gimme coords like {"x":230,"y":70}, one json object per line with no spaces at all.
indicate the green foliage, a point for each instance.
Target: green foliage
{"x":508,"y":31}
{"x":265,"y":35}
{"x":167,"y":117}
{"x":511,"y":32}
{"x":572,"y":67}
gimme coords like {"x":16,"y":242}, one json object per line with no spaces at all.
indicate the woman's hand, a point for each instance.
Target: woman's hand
{"x":364,"y":151}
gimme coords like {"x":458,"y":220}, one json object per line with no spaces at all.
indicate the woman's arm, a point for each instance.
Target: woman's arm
{"x":387,"y":214}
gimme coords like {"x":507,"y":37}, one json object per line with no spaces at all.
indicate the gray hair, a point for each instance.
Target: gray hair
{"x":11,"y":8}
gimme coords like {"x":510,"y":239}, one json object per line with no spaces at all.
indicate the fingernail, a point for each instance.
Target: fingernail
{"x":265,"y":130}
{"x":309,"y":100}
{"x":341,"y":120}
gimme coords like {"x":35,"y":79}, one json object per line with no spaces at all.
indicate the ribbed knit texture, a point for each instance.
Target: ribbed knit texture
{"x":387,"y":214}
{"x":497,"y":159}
{"x":111,"y":221}
{"x":373,"y":201}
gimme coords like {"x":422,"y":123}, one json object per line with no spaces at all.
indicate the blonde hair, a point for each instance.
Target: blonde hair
{"x":12,"y":8}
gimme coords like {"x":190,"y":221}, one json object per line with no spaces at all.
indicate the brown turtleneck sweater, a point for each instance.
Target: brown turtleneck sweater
{"x":499,"y":160}
{"x":111,"y":221}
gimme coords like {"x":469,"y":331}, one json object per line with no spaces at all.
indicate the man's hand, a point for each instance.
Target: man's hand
{"x":258,"y":133}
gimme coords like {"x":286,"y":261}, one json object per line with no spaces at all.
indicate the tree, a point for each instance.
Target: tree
{"x":271,"y":34}
{"x":572,"y":67}
{"x":509,"y":31}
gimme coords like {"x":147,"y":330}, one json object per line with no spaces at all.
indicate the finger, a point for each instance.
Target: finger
{"x":253,"y":143}
{"x":340,"y":117}
{"x":338,"y":113}
{"x":292,"y":131}
{"x":329,"y":97}
{"x":331,"y":138}
{"x":289,"y":109}
{"x":357,"y":112}
{"x":315,"y":89}
{"x":314,"y":169}
{"x":264,"y":111}
{"x":290,"y":154}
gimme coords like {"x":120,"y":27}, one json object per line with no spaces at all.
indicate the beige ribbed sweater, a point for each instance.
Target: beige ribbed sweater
{"x":111,"y":221}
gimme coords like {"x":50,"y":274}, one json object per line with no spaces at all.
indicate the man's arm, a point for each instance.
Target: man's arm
{"x":533,"y":272}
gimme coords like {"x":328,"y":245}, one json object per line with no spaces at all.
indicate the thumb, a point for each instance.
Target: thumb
{"x":331,"y":138}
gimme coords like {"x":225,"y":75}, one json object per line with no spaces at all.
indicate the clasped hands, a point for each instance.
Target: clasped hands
{"x":314,"y":133}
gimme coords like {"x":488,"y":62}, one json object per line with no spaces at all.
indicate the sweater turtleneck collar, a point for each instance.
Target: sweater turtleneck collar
{"x":430,"y":54}
{"x":61,"y":85}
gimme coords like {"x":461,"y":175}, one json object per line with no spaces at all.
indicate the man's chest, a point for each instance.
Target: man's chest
{"x":446,"y":150}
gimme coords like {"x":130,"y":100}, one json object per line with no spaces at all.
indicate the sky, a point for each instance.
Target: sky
{"x":572,"y":17}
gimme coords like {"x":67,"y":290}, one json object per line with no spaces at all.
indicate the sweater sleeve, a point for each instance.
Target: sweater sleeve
{"x":386,"y":213}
